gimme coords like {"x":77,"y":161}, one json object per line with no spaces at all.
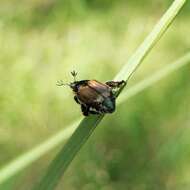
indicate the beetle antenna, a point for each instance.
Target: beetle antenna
{"x":74,"y":74}
{"x":61,"y":83}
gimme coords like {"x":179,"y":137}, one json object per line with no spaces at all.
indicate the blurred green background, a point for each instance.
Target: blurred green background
{"x":145,"y":143}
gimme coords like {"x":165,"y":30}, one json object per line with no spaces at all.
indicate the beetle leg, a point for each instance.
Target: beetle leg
{"x":94,"y":112}
{"x":115,"y":84}
{"x":76,"y":100}
{"x":85,"y":110}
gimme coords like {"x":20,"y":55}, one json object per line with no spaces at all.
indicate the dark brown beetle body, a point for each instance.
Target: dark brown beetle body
{"x":93,"y":96}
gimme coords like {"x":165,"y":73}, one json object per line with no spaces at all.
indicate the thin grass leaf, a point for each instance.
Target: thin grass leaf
{"x":64,"y":157}
{"x":150,"y":41}
{"x":34,"y":154}
{"x":149,"y":81}
{"x":88,"y":124}
{"x":26,"y":159}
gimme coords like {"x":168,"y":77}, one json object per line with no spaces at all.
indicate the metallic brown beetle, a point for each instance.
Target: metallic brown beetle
{"x":93,"y":96}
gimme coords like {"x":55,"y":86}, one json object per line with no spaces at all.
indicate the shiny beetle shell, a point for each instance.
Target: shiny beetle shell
{"x":93,"y":96}
{"x":97,"y":95}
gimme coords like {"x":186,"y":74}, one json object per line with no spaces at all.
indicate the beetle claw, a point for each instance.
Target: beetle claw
{"x":116,"y":84}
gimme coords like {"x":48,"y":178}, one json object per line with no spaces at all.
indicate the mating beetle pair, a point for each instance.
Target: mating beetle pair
{"x":93,"y":96}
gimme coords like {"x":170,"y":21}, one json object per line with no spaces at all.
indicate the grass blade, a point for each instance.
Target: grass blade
{"x":65,"y":156}
{"x":26,"y":159}
{"x":150,"y":41}
{"x":149,"y":81}
{"x":35,"y":153}
{"x":87,"y":125}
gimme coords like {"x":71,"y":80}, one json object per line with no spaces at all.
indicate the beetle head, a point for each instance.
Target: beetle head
{"x":108,"y":105}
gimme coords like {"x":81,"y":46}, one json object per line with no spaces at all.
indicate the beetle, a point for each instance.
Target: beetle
{"x":93,"y":96}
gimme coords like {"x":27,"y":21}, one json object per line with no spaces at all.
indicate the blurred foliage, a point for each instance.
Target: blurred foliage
{"x":145,"y":144}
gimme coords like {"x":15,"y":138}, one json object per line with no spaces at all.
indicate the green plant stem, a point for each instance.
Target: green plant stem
{"x":35,"y":153}
{"x":159,"y":29}
{"x":87,"y":126}
{"x":149,"y":81}
{"x":26,"y":159}
{"x":66,"y":155}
